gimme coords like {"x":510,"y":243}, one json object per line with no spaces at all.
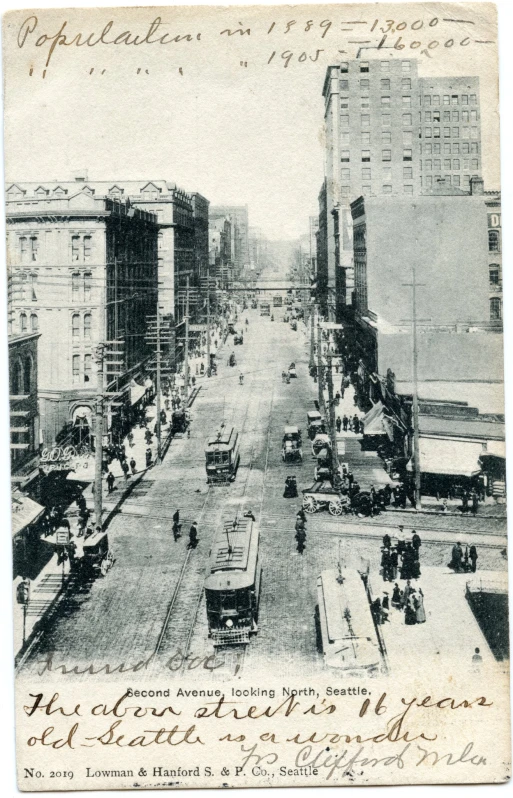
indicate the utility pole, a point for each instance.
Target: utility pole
{"x":415,"y":388}
{"x":158,"y":388}
{"x":311,"y":363}
{"x":186,"y":348}
{"x":333,"y":429}
{"x":416,"y":437}
{"x":320,"y":371}
{"x":208,"y":323}
{"x":98,"y":432}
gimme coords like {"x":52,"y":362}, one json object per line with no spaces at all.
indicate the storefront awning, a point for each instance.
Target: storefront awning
{"x":24,"y":512}
{"x":136,"y":392}
{"x":377,"y":423}
{"x":449,"y":456}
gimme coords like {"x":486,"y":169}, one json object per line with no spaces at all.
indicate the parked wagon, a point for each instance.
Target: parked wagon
{"x":322,"y":494}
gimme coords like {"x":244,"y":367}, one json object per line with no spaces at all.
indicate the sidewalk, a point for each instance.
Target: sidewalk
{"x":47,"y":588}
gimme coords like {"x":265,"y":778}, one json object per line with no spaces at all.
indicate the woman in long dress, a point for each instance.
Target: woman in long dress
{"x":420,"y":612}
{"x":410,"y":616}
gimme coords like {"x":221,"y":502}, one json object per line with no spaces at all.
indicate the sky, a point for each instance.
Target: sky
{"x":237,"y":134}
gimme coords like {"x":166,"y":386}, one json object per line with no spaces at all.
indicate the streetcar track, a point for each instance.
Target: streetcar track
{"x":212,"y":491}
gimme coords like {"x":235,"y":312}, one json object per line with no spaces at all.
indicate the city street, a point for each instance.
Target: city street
{"x":150,"y":605}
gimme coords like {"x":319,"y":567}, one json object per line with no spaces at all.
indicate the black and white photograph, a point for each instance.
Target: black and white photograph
{"x":256,"y":395}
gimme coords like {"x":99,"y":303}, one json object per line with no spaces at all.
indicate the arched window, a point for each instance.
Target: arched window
{"x":75,"y":286}
{"x":17,"y":379}
{"x":495,"y":309}
{"x":23,"y":322}
{"x":75,"y":325}
{"x":34,"y":322}
{"x":27,"y":375}
{"x":493,"y":241}
{"x":87,"y":326}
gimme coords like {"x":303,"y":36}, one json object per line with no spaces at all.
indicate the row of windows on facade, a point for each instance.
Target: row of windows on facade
{"x":81,"y":283}
{"x":428,"y":148}
{"x":385,"y":99}
{"x":384,"y":84}
{"x":386,"y":155}
{"x":427,"y":182}
{"x":426,"y":100}
{"x":463,"y":181}
{"x":345,"y":174}
{"x":450,"y":148}
{"x":455,"y":164}
{"x":465,"y":132}
{"x":28,"y":323}
{"x":81,"y":248}
{"x":345,"y":191}
{"x":384,"y":66}
{"x":448,"y":132}
{"x":448,"y":116}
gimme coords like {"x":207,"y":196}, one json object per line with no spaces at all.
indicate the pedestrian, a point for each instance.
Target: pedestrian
{"x":301,"y":540}
{"x":130,"y":438}
{"x":464,"y":502}
{"x":396,"y":596}
{"x":457,"y":557}
{"x":356,"y":424}
{"x":420,"y":612}
{"x":416,"y":544}
{"x":410,"y":612}
{"x":193,"y":535}
{"x":337,"y":398}
{"x":339,"y":423}
{"x":475,"y":501}
{"x":124,"y":466}
{"x":133,"y":466}
{"x":345,"y":422}
{"x":477,"y":660}
{"x":148,"y":457}
{"x":387,"y":490}
{"x":110,"y":481}
{"x":472,"y":553}
{"x":176,"y":530}
{"x":394,"y":564}
{"x":385,"y":603}
{"x":387,"y":541}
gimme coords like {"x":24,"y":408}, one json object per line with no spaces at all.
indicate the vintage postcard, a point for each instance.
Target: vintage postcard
{"x":257,"y":426}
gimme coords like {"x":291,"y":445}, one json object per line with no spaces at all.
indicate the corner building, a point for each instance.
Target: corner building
{"x":82,"y":268}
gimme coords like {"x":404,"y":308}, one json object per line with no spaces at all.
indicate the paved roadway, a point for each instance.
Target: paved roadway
{"x":151,"y":601}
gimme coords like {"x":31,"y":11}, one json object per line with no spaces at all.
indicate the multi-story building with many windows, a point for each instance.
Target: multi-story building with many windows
{"x":389,"y":132}
{"x":449,"y":131}
{"x":83,"y":269}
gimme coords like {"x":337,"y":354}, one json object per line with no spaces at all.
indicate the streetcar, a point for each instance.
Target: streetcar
{"x":232,"y":587}
{"x":277,"y":301}
{"x":265,"y":308}
{"x":349,"y":639}
{"x":222,"y":455}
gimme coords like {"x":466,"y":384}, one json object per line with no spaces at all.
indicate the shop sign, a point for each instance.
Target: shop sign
{"x":58,"y":458}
